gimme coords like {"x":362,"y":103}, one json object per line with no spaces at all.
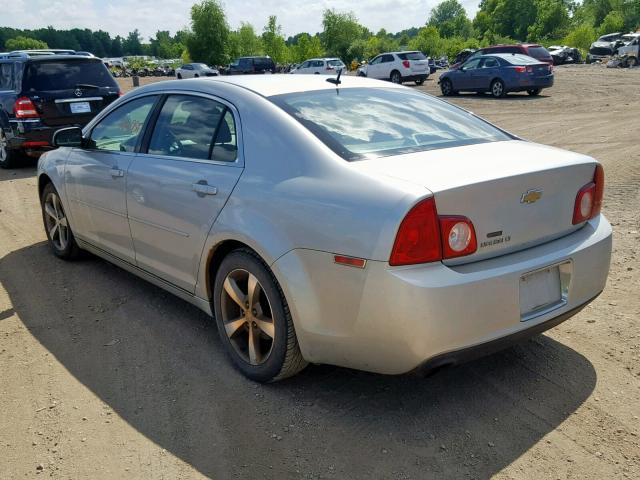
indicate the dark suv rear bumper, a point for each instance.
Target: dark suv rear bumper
{"x":31,"y":136}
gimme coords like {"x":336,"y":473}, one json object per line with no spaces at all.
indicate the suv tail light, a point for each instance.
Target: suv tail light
{"x":406,"y":63}
{"x":24,"y":108}
{"x":589,"y":198}
{"x":425,"y":237}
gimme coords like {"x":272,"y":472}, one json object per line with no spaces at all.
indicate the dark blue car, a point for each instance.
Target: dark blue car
{"x":499,"y":74}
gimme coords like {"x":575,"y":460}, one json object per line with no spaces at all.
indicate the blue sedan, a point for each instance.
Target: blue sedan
{"x":498,"y":74}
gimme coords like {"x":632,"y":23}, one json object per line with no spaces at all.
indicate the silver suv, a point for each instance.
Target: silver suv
{"x":398,"y":67}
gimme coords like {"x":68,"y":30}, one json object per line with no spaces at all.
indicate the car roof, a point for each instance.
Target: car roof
{"x":48,"y":58}
{"x":270,"y":85}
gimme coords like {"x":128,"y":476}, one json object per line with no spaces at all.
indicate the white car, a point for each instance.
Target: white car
{"x":320,"y":66}
{"x":195,"y":70}
{"x":398,"y":67}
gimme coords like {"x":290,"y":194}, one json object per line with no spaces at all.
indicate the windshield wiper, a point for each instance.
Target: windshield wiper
{"x":87,"y":85}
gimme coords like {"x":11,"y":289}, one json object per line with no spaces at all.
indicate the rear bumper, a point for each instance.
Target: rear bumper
{"x":412,"y":77}
{"x":393,"y":320}
{"x":32,"y":136}
{"x":530,"y":83}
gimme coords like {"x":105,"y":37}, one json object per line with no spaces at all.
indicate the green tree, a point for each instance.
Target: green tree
{"x":508,"y":18}
{"x":580,"y":37}
{"x":306,"y":47}
{"x":340,"y":30}
{"x":132,"y":44}
{"x":428,"y":41}
{"x":24,"y":43}
{"x":273,"y":41}
{"x":210,"y":33}
{"x":450,"y":18}
{"x":552,"y":20}
{"x":613,"y":22}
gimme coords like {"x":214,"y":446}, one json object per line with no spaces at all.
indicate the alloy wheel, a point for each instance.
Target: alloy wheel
{"x":56,"y":222}
{"x":247,"y":317}
{"x":4,"y":153}
{"x":497,"y":89}
{"x":446,"y":87}
{"x":395,"y":77}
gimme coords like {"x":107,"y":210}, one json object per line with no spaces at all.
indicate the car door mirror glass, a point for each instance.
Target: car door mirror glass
{"x":68,"y":137}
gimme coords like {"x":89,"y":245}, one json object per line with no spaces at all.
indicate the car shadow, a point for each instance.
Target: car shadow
{"x":26,"y":169}
{"x":513,"y":96}
{"x":158,"y":363}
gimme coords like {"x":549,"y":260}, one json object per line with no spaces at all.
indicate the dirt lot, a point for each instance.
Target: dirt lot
{"x":104,"y":376}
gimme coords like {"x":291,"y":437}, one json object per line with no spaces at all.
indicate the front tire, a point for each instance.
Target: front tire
{"x":419,"y":82}
{"x":396,"y":77}
{"x":446,"y":87}
{"x":179,"y":77}
{"x":533,"y":92}
{"x":9,"y":158}
{"x":56,"y":225}
{"x":253,"y":318}
{"x":497,"y":88}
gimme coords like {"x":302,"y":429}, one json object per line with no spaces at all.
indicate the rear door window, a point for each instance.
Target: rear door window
{"x":6,"y":76}
{"x":187,"y":126}
{"x":490,"y":63}
{"x":538,"y":52}
{"x":65,"y":75}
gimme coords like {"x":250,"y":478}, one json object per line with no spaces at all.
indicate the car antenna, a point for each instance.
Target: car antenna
{"x":336,"y":81}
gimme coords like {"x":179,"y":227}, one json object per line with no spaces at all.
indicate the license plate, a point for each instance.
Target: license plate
{"x":80,"y":107}
{"x":539,"y":291}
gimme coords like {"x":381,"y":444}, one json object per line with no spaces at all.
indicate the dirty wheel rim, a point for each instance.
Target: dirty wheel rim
{"x":446,"y":87}
{"x":3,"y":147}
{"x":497,"y":89}
{"x":247,"y":317}
{"x":56,"y":221}
{"x":395,"y":77}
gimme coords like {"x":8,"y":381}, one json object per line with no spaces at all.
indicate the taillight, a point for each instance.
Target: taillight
{"x":520,"y":69}
{"x":418,"y":238}
{"x":458,"y":236}
{"x":120,"y":93}
{"x":406,"y":63}
{"x":24,"y":108}
{"x":425,"y":237}
{"x":589,"y":198}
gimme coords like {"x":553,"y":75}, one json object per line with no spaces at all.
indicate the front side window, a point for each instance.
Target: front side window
{"x":376,"y":60}
{"x":119,"y":130}
{"x":363,"y":123}
{"x":187,"y":126}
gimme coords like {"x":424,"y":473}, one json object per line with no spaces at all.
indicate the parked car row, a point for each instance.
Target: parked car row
{"x":623,"y":45}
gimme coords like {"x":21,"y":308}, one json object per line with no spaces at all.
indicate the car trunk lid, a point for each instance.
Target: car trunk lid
{"x":517,"y":194}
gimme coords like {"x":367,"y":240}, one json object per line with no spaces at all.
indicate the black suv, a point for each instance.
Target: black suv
{"x":41,"y":92}
{"x":248,"y":65}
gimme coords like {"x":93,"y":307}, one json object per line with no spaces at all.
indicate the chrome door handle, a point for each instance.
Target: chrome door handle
{"x":117,"y":172}
{"x":204,"y":189}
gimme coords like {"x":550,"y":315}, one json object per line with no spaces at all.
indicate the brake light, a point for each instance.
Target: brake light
{"x":425,"y":237}
{"x":406,"y":63}
{"x":589,"y":198}
{"x":520,"y":69}
{"x":24,"y":108}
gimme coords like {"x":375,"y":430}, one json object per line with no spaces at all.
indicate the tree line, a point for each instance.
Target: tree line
{"x":446,"y":31}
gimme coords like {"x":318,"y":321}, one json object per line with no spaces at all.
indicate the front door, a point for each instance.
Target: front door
{"x":180,"y":182}
{"x":465,"y":79}
{"x":96,"y":177}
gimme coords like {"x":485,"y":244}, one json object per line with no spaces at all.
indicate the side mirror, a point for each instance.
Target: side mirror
{"x":68,"y":137}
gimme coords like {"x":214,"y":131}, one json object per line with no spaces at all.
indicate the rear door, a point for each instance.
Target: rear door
{"x":69,"y":91}
{"x":418,"y":63}
{"x":95,"y":178}
{"x":179,"y":184}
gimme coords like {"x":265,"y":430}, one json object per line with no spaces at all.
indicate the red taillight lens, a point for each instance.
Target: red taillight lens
{"x":24,"y":108}
{"x":406,"y":63}
{"x":589,"y":198}
{"x":418,"y":238}
{"x":458,"y":236}
{"x":120,"y":93}
{"x":425,"y":237}
{"x":520,"y":69}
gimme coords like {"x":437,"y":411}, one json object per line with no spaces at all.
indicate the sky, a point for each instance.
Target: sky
{"x":118,"y":17}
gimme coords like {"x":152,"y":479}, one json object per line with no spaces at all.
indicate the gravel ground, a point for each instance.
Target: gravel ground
{"x":104,"y":376}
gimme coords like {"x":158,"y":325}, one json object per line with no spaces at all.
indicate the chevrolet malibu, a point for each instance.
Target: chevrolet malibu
{"x":355,"y":223}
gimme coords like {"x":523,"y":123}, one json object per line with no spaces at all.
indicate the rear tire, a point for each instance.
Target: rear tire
{"x":253,"y":318}
{"x":533,"y":92}
{"x":497,"y":88}
{"x":396,"y":77}
{"x":419,"y":82}
{"x":56,"y":225}
{"x":9,"y":157}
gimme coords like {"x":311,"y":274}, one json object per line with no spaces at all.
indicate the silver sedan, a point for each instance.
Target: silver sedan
{"x":355,"y":223}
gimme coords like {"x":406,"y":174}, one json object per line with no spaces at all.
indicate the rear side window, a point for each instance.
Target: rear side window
{"x":520,"y":59}
{"x":335,"y":63}
{"x":412,"y":56}
{"x":6,"y":76}
{"x":65,"y":75}
{"x":538,"y":52}
{"x":363,"y":123}
{"x":187,"y":126}
{"x":119,"y":130}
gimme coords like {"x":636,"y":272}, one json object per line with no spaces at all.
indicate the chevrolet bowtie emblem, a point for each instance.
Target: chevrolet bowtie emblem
{"x":531,"y":196}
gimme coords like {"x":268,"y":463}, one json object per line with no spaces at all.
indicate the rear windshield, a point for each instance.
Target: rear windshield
{"x":335,"y":63}
{"x":411,"y":56}
{"x":538,"y":52}
{"x":362,"y":123}
{"x":66,"y":74}
{"x":519,"y":59}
